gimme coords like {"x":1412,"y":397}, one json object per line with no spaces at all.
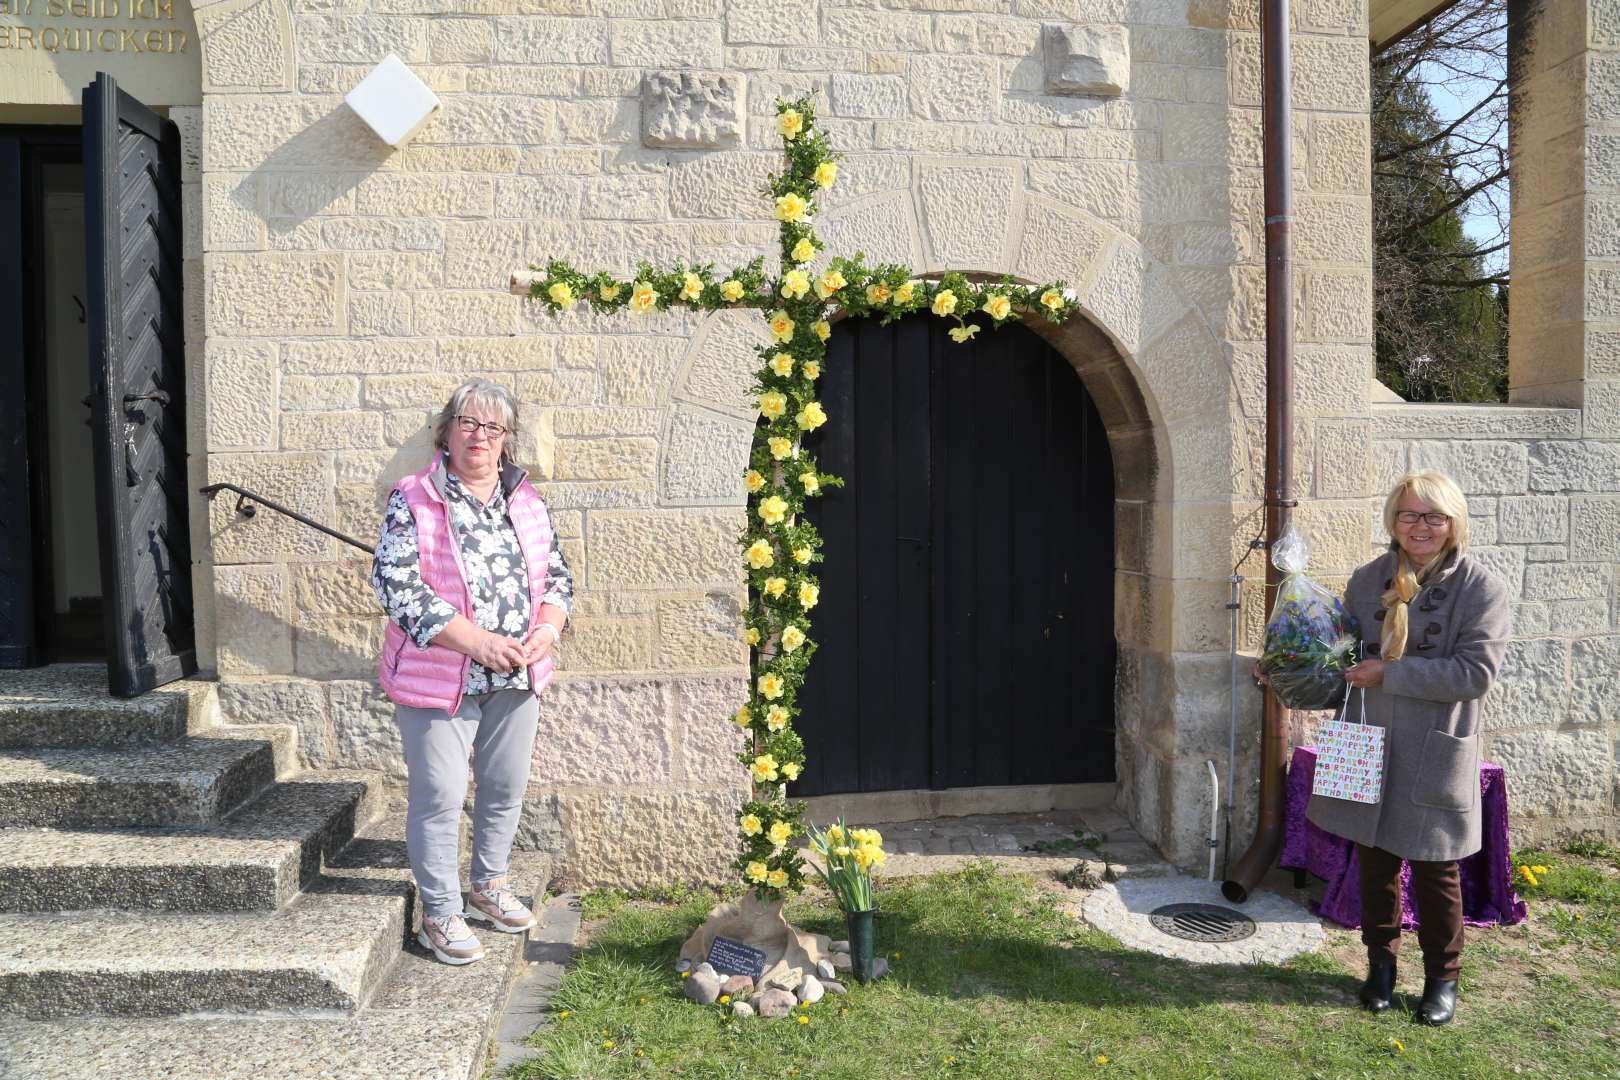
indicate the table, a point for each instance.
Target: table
{"x":1489,"y":898}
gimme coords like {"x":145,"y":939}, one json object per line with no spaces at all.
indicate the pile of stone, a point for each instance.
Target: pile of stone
{"x":779,"y":993}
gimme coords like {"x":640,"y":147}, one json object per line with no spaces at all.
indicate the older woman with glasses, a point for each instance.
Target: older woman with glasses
{"x":1437,"y":621}
{"x":477,"y":593}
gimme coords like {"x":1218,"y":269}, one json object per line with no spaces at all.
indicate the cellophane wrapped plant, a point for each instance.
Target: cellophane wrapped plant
{"x":848,"y":857}
{"x":1311,"y":640}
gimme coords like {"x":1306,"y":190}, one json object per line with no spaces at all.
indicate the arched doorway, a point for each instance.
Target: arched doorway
{"x":968,"y":591}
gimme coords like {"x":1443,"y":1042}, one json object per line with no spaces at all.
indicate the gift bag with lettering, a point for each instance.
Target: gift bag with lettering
{"x":1350,"y":757}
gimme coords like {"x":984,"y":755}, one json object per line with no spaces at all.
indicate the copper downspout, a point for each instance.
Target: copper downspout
{"x":1277,"y":121}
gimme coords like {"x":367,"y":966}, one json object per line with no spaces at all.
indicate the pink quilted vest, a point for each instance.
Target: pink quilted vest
{"x":434,"y":677}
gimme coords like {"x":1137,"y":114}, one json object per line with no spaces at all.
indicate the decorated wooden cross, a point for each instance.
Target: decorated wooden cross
{"x":780,"y":548}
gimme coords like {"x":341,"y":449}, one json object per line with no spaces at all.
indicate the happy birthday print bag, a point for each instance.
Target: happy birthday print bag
{"x":1350,"y":757}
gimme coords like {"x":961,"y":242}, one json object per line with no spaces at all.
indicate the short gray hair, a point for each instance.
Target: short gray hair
{"x":478,"y":393}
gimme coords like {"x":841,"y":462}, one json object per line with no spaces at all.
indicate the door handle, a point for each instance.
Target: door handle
{"x":911,"y":539}
{"x":159,"y":396}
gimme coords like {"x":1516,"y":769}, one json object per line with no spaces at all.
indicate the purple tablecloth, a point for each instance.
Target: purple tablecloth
{"x":1487,"y":875}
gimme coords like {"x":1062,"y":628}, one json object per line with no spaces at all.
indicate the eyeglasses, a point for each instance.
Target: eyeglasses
{"x":1434,"y":521}
{"x":470,"y":424}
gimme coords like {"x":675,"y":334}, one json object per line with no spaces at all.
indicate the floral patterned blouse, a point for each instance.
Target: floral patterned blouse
{"x":496,"y":575}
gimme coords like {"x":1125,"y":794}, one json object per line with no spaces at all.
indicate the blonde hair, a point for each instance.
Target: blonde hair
{"x":1442,"y":493}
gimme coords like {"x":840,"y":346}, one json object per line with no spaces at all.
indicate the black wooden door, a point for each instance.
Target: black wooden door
{"x":966,"y":617}
{"x":16,"y":529}
{"x":137,"y":369}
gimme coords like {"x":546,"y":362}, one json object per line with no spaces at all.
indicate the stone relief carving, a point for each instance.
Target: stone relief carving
{"x":1086,"y":60}
{"x":690,"y":110}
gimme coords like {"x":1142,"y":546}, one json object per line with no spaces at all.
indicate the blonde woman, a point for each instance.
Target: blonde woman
{"x":1435,"y":624}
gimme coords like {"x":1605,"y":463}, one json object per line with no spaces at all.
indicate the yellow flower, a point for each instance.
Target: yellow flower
{"x":811,"y":416}
{"x":760,"y":555}
{"x":772,"y":509}
{"x":803,"y":1019}
{"x":875,"y":856}
{"x":1538,"y":869}
{"x":801,"y":555}
{"x":811,"y":482}
{"x":565,"y":1014}
{"x":692,"y":287}
{"x":778,"y":879}
{"x":878,"y":293}
{"x":1102,"y":1059}
{"x":959,"y":334}
{"x":1528,"y":875}
{"x":997,"y":306}
{"x":867,"y":836}
{"x":829,"y":284}
{"x":744,"y":716}
{"x":782,"y":364}
{"x":944,"y":302}
{"x":725,"y":999}
{"x":753,"y":481}
{"x":607,"y":1044}
{"x":781,"y":833}
{"x":562,"y":295}
{"x":863,"y":856}
{"x":1052,"y":300}
{"x":812,"y":369}
{"x":775,"y":586}
{"x":803,"y":251}
{"x":771,"y":685}
{"x":781,"y":327}
{"x":842,"y":851}
{"x":790,"y":124}
{"x":791,"y":770}
{"x":751,"y":635}
{"x":826,"y":174}
{"x":751,"y":826}
{"x":795,"y":283}
{"x":790,"y":207}
{"x":643,"y":297}
{"x":772,"y":405}
{"x":822,"y":327}
{"x":609,"y":292}
{"x":763,"y":768}
{"x":756,"y":872}
{"x":780,"y":447}
{"x":809,"y":595}
{"x":776,"y":718}
{"x":1400,"y":1047}
{"x":792,"y":637}
{"x":731,"y":289}
{"x":904,"y":292}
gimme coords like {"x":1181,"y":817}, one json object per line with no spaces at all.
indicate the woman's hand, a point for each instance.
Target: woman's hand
{"x":499,"y":652}
{"x":1366,"y":675}
{"x":538,"y":647}
{"x":1259,"y":676}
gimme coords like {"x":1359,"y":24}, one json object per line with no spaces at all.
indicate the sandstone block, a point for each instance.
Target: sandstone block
{"x":274,"y":294}
{"x":966,"y":209}
{"x":364,"y":735}
{"x":229,"y":221}
{"x":425,"y":390}
{"x":477,"y":313}
{"x":769,"y":22}
{"x":461,"y":40}
{"x":665,"y":43}
{"x":1339,"y":155}
{"x":1574,"y":466}
{"x":881,"y":228}
{"x":638,"y":370}
{"x":241,"y":375}
{"x":1091,"y":60}
{"x":704,"y":458}
{"x":350,"y":357}
{"x":301,"y":481}
{"x":319,"y":393}
{"x":606,"y":644}
{"x":1595,"y":664}
{"x":721,"y":362}
{"x":1533,"y":519}
{"x":604,"y":731}
{"x":669,"y":549}
{"x":331,"y":431}
{"x":483,"y":252}
{"x":546,"y":39}
{"x":700,"y":632}
{"x":1532,"y":688}
{"x":463,"y":355}
{"x":724,"y":185}
{"x":1595,"y":528}
{"x":334,"y":588}
{"x":955,"y":87}
{"x":1338,"y":306}
{"x":1571,"y":618}
{"x":253,"y":636}
{"x":605,"y":459}
{"x":337,"y":646}
{"x":1568,"y":581}
{"x":872,"y":96}
{"x":638,"y":838}
{"x":691,"y":110}
{"x":325,"y":39}
{"x":382,"y":234}
{"x":299,"y":702}
{"x":1057,"y":244}
{"x":1480,"y":466}
{"x":1555,"y":773}
{"x":380,"y":314}
{"x":877,"y":31}
{"x":249,"y":48}
{"x":1507,"y":563}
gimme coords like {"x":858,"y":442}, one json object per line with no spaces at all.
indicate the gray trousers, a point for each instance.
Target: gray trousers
{"x":497,"y":730}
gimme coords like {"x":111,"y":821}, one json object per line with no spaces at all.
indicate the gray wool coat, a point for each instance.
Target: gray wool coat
{"x":1458,"y":630}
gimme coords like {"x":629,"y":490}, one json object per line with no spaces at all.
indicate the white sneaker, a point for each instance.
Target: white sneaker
{"x":450,"y":940}
{"x":496,"y":905}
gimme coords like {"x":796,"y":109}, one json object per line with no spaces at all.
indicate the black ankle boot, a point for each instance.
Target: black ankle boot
{"x":1439,"y":1002}
{"x":1379,"y":988}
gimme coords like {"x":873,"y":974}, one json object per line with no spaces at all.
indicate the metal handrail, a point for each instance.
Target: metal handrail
{"x":247,"y":509}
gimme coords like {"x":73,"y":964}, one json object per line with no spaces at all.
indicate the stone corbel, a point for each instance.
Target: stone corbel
{"x":691,"y":110}
{"x":1092,"y":60}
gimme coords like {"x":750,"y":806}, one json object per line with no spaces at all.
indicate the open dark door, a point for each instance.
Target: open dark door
{"x":137,"y":387}
{"x":16,"y":562}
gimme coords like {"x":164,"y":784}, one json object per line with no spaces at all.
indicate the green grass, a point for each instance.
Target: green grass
{"x":993,"y":980}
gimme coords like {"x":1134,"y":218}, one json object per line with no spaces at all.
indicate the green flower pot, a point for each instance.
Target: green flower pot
{"x":860,"y":943}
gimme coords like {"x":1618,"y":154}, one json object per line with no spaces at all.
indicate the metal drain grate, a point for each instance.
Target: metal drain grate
{"x":1202,"y":922}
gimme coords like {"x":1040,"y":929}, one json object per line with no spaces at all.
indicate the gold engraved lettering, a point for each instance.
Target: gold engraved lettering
{"x":101,"y":41}
{"x":25,"y":34}
{"x":183,"y":38}
{"x":5,"y":36}
{"x":55,"y":8}
{"x":131,"y":42}
{"x":155,"y":41}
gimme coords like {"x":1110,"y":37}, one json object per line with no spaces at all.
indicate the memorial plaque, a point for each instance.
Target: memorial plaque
{"x":734,"y":958}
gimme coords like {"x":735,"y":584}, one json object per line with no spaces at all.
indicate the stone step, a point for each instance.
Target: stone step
{"x":324,"y":951}
{"x":258,"y":858}
{"x":68,"y":706}
{"x":195,"y":780}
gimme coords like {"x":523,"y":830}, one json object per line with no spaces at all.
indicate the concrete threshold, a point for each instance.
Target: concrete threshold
{"x":879,"y":807}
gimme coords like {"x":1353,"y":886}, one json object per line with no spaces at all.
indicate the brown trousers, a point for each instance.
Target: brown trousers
{"x":1438,"y":889}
